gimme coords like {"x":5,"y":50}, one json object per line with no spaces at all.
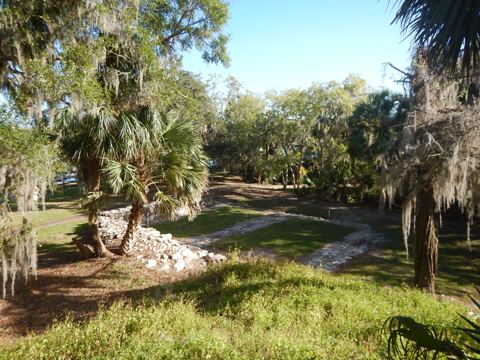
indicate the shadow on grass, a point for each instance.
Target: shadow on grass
{"x":458,"y":267}
{"x":57,"y":294}
{"x":214,"y":292}
{"x":61,"y":253}
{"x":292,"y":205}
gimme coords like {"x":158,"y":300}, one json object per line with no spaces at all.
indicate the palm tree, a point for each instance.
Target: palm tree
{"x":87,"y":141}
{"x":448,"y":29}
{"x":168,"y":166}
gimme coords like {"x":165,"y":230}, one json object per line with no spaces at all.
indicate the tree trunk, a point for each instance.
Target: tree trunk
{"x":259,"y":178}
{"x":98,"y":244}
{"x":134,"y":220}
{"x":294,"y":180}
{"x":136,"y":214}
{"x":86,"y":250}
{"x":426,"y":241}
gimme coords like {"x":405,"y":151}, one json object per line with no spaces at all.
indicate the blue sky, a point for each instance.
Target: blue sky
{"x":282,"y":44}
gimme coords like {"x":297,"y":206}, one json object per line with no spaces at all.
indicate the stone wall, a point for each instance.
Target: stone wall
{"x":151,"y":216}
{"x":154,"y":249}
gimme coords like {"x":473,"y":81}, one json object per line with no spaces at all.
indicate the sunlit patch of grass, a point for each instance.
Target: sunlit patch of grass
{"x":59,"y":237}
{"x":62,"y":219}
{"x":290,"y":238}
{"x":207,"y":221}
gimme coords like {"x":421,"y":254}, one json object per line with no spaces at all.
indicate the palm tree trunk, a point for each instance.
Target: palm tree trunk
{"x":136,"y":214}
{"x":134,"y":219}
{"x":98,"y":244}
{"x":426,"y":241}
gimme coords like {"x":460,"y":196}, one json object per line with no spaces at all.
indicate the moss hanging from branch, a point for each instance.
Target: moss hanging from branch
{"x":18,"y":252}
{"x":18,"y":242}
{"x":26,"y":166}
{"x":440,"y":150}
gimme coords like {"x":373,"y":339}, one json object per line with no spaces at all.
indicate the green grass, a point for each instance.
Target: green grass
{"x":291,"y":238}
{"x":207,"y":222}
{"x":59,"y":237}
{"x":56,"y":226}
{"x":62,"y":219}
{"x":458,"y":267}
{"x":243,"y":310}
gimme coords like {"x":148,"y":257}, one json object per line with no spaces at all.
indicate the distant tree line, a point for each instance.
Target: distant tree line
{"x":329,"y":138}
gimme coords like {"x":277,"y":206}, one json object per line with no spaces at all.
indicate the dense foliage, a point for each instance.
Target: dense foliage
{"x":104,"y":74}
{"x":329,"y":137}
{"x":79,"y":54}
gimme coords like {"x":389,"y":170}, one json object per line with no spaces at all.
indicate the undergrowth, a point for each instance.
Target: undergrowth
{"x":242,"y":310}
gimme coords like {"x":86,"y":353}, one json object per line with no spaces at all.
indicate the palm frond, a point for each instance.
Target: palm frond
{"x":448,"y":29}
{"x":89,"y":203}
{"x":166,"y":205}
{"x":474,"y":331}
{"x":408,"y":339}
{"x":124,"y":178}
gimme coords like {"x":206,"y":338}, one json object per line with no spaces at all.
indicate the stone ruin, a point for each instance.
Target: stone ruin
{"x":150,"y":246}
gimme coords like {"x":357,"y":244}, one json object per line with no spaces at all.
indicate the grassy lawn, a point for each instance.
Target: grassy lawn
{"x":207,"y":222}
{"x":243,"y":310}
{"x":59,"y":237}
{"x":57,"y":225}
{"x":291,"y":238}
{"x":62,"y":219}
{"x":55,"y":211}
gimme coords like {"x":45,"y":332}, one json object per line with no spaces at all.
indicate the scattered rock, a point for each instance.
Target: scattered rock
{"x":154,"y":249}
{"x":151,"y":263}
{"x":180,"y":265}
{"x":334,"y":255}
{"x":211,"y":257}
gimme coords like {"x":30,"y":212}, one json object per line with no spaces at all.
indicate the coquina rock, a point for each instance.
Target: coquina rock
{"x":154,"y":249}
{"x":151,"y":216}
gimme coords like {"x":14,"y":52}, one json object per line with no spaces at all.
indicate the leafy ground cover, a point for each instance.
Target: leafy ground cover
{"x":291,"y":238}
{"x":243,"y":310}
{"x":207,"y":222}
